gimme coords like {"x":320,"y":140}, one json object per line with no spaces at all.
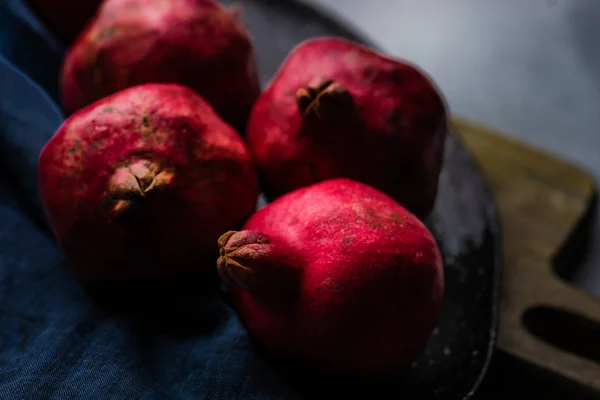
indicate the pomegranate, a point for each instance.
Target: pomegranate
{"x":337,"y":277}
{"x":339,"y":109}
{"x":140,"y":184}
{"x":64,"y":18}
{"x":196,"y":43}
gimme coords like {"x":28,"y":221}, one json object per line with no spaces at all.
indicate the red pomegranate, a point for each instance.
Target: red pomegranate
{"x":140,"y":184}
{"x":196,"y":43}
{"x":339,"y":109}
{"x":64,"y":18}
{"x":337,"y":277}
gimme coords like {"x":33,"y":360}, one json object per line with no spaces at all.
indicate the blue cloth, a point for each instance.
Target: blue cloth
{"x":56,"y":342}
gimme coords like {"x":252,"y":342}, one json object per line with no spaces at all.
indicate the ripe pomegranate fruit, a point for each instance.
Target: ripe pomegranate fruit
{"x":140,"y":184}
{"x":196,"y":43}
{"x":337,"y":277}
{"x":64,"y":18}
{"x":339,"y":109}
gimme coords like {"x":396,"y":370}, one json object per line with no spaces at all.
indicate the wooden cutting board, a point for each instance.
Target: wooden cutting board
{"x":545,"y":205}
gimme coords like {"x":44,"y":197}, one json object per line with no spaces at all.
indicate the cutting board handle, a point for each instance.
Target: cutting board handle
{"x":545,"y":205}
{"x":561,"y":331}
{"x":565,"y":317}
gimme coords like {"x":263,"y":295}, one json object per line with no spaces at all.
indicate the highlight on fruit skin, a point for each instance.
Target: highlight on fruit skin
{"x":335,"y":109}
{"x":337,"y":278}
{"x":197,"y":43}
{"x":139,"y":185}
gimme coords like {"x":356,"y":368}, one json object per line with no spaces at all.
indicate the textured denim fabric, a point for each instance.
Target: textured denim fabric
{"x":55,"y":341}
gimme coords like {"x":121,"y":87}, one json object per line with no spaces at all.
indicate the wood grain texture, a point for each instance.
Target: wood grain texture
{"x":542,"y":202}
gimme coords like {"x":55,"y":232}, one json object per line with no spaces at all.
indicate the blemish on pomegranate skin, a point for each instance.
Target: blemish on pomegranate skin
{"x":371,"y":214}
{"x":396,"y":217}
{"x":369,"y":73}
{"x":373,"y":219}
{"x":106,"y":33}
{"x":146,"y":127}
{"x":330,"y":285}
{"x":146,"y":121}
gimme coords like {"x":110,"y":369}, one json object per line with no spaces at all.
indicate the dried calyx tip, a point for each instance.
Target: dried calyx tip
{"x":251,"y":261}
{"x":322,"y":95}
{"x":223,"y":241}
{"x":230,"y":267}
{"x":135,"y":181}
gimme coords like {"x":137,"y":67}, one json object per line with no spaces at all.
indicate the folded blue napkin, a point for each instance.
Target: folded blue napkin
{"x":55,"y":341}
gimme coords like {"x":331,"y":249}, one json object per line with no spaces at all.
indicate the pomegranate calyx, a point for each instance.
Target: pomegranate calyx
{"x":232,"y":256}
{"x":324,"y":97}
{"x":135,"y":181}
{"x":250,"y":261}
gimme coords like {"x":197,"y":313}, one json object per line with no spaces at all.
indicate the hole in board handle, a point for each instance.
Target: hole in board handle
{"x":569,"y":332}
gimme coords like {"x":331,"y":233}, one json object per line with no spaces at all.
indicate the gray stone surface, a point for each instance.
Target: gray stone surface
{"x":530,"y":68}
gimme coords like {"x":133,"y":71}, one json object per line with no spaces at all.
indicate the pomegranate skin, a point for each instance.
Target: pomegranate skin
{"x":337,"y":278}
{"x":196,"y":43}
{"x":139,"y":185}
{"x":64,"y":18}
{"x":339,"y":109}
